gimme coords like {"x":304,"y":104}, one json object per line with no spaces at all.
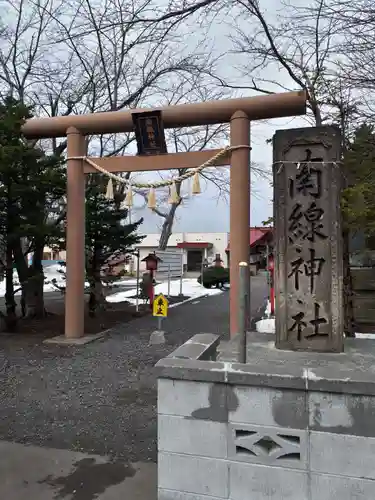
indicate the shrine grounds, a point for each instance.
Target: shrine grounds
{"x":88,"y":414}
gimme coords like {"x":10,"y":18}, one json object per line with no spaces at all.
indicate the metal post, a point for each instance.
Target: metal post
{"x":182,"y":269}
{"x":268,"y":271}
{"x":151,"y":290}
{"x":137,"y":298}
{"x":169,"y":281}
{"x":244,"y":309}
{"x":159,"y":322}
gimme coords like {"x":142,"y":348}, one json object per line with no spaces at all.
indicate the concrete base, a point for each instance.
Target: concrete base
{"x":287,"y":425}
{"x":157,"y":337}
{"x":86,"y":339}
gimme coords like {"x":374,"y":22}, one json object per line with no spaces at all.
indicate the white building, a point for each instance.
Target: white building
{"x":194,"y":247}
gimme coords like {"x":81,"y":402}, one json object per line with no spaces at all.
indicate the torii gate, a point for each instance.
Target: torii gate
{"x":238,"y":112}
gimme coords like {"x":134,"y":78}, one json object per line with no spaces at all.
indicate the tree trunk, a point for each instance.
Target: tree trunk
{"x":316,"y":112}
{"x":167,"y":228}
{"x":35,"y":301}
{"x":31,"y":280}
{"x":169,"y":220}
{"x":96,"y":297}
{"x":10,"y":303}
{"x":20,"y":263}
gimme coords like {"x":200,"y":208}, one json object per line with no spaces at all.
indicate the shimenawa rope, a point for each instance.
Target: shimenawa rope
{"x":174,"y":197}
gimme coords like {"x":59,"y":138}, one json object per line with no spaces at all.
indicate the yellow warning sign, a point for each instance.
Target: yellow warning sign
{"x":160,"y":306}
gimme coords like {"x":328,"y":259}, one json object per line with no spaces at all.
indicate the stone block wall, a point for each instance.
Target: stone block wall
{"x":280,"y":431}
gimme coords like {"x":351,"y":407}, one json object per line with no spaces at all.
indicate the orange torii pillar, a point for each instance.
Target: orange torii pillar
{"x":239,"y":209}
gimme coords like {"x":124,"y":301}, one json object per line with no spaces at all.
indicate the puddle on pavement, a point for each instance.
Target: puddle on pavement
{"x":89,"y":479}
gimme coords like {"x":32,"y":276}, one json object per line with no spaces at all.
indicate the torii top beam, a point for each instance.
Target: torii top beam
{"x":183,"y":115}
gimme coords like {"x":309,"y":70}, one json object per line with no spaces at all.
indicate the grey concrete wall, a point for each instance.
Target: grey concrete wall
{"x":296,"y":437}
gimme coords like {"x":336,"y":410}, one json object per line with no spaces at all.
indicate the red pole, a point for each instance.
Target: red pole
{"x":151,"y":290}
{"x":272,"y":298}
{"x":271,"y":269}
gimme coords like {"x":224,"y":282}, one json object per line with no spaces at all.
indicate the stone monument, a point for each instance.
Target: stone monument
{"x":308,"y":239}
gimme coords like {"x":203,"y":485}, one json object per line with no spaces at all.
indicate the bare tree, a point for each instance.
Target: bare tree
{"x":299,"y":44}
{"x":124,"y":60}
{"x":23,"y":30}
{"x":91,"y":57}
{"x":356,"y":21}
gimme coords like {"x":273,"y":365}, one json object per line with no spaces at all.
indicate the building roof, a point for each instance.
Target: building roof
{"x":194,"y":244}
{"x":256,"y":235}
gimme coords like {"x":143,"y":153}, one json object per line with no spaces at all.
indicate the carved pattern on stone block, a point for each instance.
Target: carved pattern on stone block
{"x":277,"y":447}
{"x":271,"y":446}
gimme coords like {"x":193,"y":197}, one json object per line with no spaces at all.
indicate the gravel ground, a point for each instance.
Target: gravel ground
{"x":99,"y":398}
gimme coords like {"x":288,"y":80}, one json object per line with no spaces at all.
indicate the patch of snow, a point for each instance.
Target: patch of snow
{"x":267,"y":311}
{"x":308,"y":374}
{"x":365,"y":336}
{"x":57,"y":272}
{"x":190,"y":288}
{"x":50,"y":273}
{"x":15,"y":281}
{"x":266,"y":325}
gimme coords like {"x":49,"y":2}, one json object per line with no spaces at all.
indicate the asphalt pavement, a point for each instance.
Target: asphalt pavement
{"x":79,"y":423}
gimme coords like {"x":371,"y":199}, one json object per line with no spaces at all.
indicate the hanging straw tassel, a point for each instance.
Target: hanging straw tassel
{"x":173,"y":196}
{"x":109,"y":193}
{"x":128,"y":202}
{"x":151,"y":198}
{"x":196,"y":189}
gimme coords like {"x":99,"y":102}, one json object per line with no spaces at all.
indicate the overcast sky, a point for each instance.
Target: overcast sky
{"x":205,"y":212}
